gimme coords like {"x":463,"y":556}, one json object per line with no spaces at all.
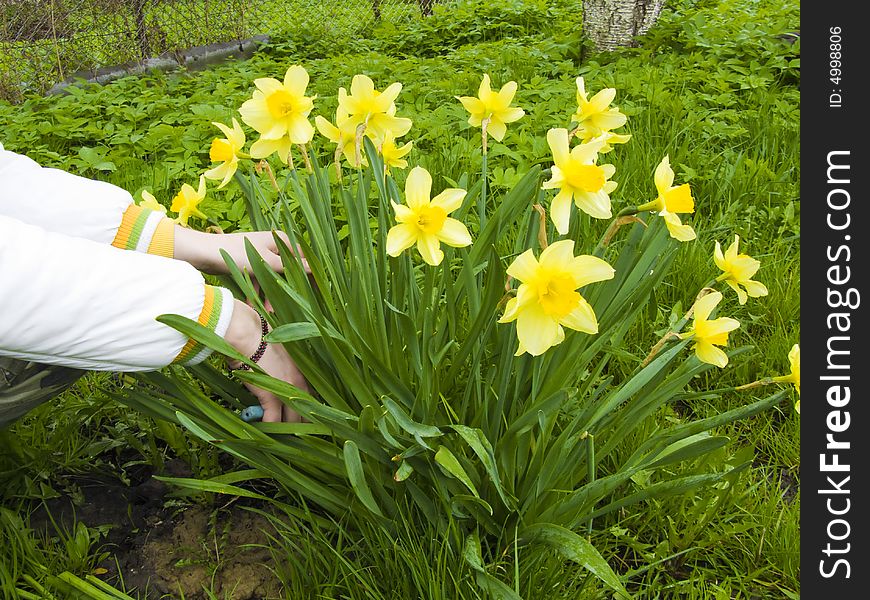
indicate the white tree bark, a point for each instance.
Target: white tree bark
{"x":610,"y":24}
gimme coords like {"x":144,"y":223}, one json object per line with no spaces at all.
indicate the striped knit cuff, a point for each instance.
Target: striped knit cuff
{"x":217,"y":310}
{"x":145,"y":230}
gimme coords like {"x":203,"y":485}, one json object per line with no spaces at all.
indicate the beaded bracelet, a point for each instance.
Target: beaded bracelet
{"x":261,"y":349}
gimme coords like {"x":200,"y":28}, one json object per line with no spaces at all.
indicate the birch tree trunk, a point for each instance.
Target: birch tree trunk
{"x":610,"y":24}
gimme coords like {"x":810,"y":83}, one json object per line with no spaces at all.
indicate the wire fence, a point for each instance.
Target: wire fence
{"x":43,"y":42}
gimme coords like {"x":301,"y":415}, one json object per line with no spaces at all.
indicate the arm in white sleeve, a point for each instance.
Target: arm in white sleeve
{"x":59,"y":201}
{"x":79,"y":303}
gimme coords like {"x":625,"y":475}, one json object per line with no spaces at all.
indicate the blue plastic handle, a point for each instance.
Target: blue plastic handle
{"x":252,"y":413}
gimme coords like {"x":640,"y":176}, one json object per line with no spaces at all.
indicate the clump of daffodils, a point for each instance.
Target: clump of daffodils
{"x":548,"y":298}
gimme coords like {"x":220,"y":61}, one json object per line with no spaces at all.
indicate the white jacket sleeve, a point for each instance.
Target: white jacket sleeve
{"x":79,"y":303}
{"x":80,"y":207}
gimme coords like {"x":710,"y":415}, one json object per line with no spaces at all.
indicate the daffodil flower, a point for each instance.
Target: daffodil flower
{"x":376,"y":110}
{"x":186,"y":202}
{"x":794,"y":359}
{"x":595,"y":116}
{"x":495,"y":106}
{"x":343,"y":137}
{"x":150,"y":202}
{"x":547,"y":299}
{"x":671,"y":201}
{"x":226,"y":151}
{"x":577,"y":177}
{"x":393,"y":154}
{"x":425,"y":222}
{"x":738,"y":270}
{"x":279,"y":111}
{"x":708,"y":333}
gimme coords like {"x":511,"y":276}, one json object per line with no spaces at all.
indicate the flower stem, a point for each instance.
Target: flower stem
{"x":481,"y":203}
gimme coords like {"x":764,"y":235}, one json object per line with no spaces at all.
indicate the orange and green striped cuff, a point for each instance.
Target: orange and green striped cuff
{"x":217,"y":310}
{"x":145,"y":230}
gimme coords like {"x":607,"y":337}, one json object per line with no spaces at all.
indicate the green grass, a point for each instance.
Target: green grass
{"x":718,"y":94}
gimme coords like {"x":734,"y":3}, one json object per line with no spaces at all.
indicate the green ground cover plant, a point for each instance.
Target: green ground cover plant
{"x":719,"y":96}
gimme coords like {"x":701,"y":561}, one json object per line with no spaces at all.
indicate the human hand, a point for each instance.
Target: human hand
{"x":202,"y":250}
{"x":244,"y":334}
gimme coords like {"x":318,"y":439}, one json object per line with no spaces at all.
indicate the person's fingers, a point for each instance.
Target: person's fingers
{"x":272,"y":408}
{"x":291,"y":416}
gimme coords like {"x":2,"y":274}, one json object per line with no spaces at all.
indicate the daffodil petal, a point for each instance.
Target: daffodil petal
{"x":510,"y":311}
{"x":472,"y":104}
{"x":718,"y":257}
{"x":454,"y":233}
{"x":664,"y":176}
{"x":678,"y":231}
{"x":496,"y":129}
{"x":327,"y":129}
{"x":511,"y":114}
{"x":399,"y":238}
{"x":560,"y":211}
{"x":588,"y":269}
{"x":296,"y":80}
{"x":300,"y":130}
{"x":710,"y":354}
{"x":611,"y":119}
{"x":558,"y":142}
{"x":524,"y":266}
{"x":430,"y":249}
{"x":450,"y":199}
{"x":362,"y":86}
{"x":581,"y":318}
{"x":594,"y":204}
{"x":741,"y":295}
{"x":536,"y":330}
{"x":705,"y":305}
{"x":418,"y":188}
{"x":256,"y":114}
{"x":755,"y":289}
{"x":600,"y":101}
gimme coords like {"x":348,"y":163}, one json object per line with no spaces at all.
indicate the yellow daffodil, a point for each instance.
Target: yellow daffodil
{"x":495,"y":106}
{"x":738,"y":270}
{"x":709,"y":333}
{"x":393,"y":154}
{"x":186,"y":202}
{"x":149,"y":201}
{"x":579,"y":178}
{"x":547,"y":299}
{"x":425,"y":222}
{"x":377,"y":110}
{"x":794,"y":359}
{"x":279,"y":111}
{"x":344,"y":137}
{"x":226,"y":151}
{"x":595,"y":116}
{"x":671,"y":201}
